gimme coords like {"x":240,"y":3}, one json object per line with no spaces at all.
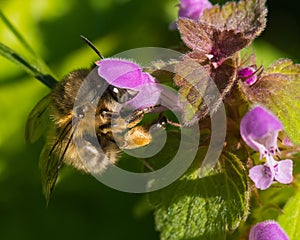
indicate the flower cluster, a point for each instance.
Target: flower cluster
{"x":259,"y":129}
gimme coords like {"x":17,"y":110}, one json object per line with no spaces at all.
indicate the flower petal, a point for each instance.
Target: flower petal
{"x":128,"y":75}
{"x":248,"y":74}
{"x":284,"y":173}
{"x":260,"y":128}
{"x":261,"y":177}
{"x":148,"y":95}
{"x":120,"y":73}
{"x":147,"y":78}
{"x":267,"y":230}
{"x":193,"y":9}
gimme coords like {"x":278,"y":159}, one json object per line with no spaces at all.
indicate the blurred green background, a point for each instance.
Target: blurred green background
{"x":81,"y":207}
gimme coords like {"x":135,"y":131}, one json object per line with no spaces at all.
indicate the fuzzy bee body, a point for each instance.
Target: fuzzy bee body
{"x":69,"y":125}
{"x":62,"y":112}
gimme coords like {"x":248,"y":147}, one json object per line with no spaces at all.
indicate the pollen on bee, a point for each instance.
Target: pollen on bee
{"x":138,"y":137}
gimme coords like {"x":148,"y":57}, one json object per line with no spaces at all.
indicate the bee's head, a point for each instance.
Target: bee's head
{"x":121,"y":95}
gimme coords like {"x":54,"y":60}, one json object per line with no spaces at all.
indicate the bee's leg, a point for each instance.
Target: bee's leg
{"x":108,"y":114}
{"x":131,"y":121}
{"x":117,"y":124}
{"x":137,"y":115}
{"x":108,"y":121}
{"x":174,"y":124}
{"x":162,"y":121}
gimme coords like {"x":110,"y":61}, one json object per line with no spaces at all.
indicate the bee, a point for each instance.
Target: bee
{"x":95,"y":121}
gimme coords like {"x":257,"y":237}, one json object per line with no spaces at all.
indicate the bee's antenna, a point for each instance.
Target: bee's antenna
{"x":88,"y":42}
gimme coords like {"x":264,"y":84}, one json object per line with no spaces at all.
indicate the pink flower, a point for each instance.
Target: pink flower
{"x":264,"y":175}
{"x":259,"y":129}
{"x":193,"y":9}
{"x":267,"y":230}
{"x":248,"y":74}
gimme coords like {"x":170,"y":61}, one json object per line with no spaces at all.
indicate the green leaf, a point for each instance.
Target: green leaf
{"x":36,"y":66}
{"x":206,"y":208}
{"x":278,"y":88}
{"x":290,"y":219}
{"x":30,"y":68}
{"x":16,"y":33}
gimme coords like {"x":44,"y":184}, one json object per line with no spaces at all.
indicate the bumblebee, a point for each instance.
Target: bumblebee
{"x":96,"y":121}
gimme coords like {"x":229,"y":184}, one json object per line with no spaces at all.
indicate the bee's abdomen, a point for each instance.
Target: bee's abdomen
{"x":92,"y":154}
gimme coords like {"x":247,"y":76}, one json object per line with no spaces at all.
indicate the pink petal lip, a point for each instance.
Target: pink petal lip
{"x":260,"y":180}
{"x":285,"y":171}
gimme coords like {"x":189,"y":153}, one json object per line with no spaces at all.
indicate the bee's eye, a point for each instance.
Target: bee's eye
{"x":121,"y":95}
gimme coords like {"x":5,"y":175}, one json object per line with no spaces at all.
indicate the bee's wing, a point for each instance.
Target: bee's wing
{"x":52,"y":157}
{"x":38,"y":120}
{"x":49,"y":170}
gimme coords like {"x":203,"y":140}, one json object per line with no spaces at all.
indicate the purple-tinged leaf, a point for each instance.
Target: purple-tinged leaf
{"x":245,"y":16}
{"x":193,"y":80}
{"x":214,"y":43}
{"x":198,"y":82}
{"x":215,"y":39}
{"x":220,"y":32}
